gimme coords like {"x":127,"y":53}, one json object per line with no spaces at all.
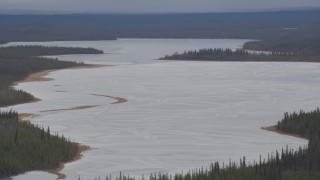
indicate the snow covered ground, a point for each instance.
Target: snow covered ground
{"x":179,"y":115}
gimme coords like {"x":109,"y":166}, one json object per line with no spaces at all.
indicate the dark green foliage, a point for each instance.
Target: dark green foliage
{"x":239,"y":55}
{"x":306,"y":124}
{"x":17,"y":62}
{"x":22,"y":66}
{"x":299,"y":46}
{"x":210,"y":54}
{"x":12,"y":96}
{"x":25,"y":147}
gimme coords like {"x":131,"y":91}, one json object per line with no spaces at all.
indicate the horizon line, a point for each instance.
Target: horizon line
{"x":57,"y":12}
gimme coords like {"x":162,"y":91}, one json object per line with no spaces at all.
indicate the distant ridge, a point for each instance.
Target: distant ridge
{"x":236,"y":25}
{"x":35,"y":12}
{"x":59,"y":12}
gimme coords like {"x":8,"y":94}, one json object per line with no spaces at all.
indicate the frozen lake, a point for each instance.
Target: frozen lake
{"x":179,"y":115}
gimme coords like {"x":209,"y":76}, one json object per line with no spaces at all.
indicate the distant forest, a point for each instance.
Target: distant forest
{"x":206,"y":25}
{"x":301,"y":46}
{"x":239,"y":55}
{"x":271,"y":50}
{"x":17,"y":62}
{"x":23,"y":51}
{"x":209,"y":55}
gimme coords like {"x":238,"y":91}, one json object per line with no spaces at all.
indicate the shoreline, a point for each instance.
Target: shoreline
{"x":275,"y":130}
{"x":39,"y":76}
{"x":56,"y":171}
{"x":79,"y":155}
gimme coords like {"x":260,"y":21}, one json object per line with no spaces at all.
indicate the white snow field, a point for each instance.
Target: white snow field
{"x":179,"y":115}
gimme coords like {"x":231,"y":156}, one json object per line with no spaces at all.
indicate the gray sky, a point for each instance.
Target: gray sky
{"x":155,"y":6}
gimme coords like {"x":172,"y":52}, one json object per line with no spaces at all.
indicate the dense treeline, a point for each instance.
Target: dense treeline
{"x":239,"y":55}
{"x":203,"y":25}
{"x":288,"y":164}
{"x":22,"y":66}
{"x":306,"y":124}
{"x":209,"y":54}
{"x":25,"y":147}
{"x":17,"y":62}
{"x":298,"y":46}
{"x":10,"y":96}
{"x":22,"y":51}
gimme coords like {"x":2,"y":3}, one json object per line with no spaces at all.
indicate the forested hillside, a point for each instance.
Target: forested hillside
{"x":17,"y":62}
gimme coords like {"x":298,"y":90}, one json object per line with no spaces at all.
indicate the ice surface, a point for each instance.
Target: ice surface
{"x":179,"y":115}
{"x":35,"y":175}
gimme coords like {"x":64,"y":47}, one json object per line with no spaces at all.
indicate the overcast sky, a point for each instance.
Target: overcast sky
{"x":155,"y":6}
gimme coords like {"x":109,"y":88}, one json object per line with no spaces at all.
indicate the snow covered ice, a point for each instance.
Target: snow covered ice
{"x":179,"y":115}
